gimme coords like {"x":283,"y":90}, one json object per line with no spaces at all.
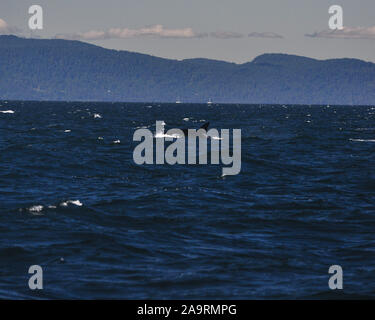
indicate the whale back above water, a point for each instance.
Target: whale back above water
{"x":204,"y":127}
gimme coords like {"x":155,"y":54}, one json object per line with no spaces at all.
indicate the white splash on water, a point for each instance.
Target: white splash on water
{"x":362,"y":140}
{"x":161,"y":135}
{"x":35,"y":210}
{"x":365,"y":129}
{"x":75,"y":202}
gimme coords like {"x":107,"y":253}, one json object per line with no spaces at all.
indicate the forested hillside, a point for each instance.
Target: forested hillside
{"x":36,"y":69}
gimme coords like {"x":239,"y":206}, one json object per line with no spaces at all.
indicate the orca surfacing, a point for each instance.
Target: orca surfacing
{"x":204,"y":127}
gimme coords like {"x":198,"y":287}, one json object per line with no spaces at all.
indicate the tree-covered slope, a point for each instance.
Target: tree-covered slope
{"x":39,"y":69}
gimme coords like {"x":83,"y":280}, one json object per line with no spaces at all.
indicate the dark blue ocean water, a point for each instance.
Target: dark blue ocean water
{"x":303,"y":201}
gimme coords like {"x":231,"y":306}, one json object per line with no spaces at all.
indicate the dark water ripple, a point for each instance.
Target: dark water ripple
{"x":303,"y":201}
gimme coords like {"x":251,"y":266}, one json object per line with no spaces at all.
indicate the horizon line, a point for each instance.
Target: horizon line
{"x":6,"y":101}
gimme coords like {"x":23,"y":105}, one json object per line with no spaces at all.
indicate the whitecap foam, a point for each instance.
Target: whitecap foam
{"x":116,"y":141}
{"x":36,"y":209}
{"x":161,"y":135}
{"x":67,"y":131}
{"x":186,"y":119}
{"x":75,"y":202}
{"x":362,"y":140}
{"x":164,"y":135}
{"x":364,"y":129}
{"x":6,"y":111}
{"x":97,"y":116}
{"x":176,"y":136}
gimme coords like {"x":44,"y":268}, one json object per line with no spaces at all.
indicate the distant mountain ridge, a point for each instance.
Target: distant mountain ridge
{"x":41,"y":69}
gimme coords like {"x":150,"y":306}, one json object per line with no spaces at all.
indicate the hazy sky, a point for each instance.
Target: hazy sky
{"x":232,"y":30}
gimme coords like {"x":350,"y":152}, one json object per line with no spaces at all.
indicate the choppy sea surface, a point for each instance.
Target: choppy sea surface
{"x":73,"y":201}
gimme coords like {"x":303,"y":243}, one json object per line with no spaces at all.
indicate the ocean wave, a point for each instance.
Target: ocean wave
{"x":301,"y":186}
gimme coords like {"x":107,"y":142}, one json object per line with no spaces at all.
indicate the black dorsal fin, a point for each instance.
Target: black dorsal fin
{"x":205,"y":126}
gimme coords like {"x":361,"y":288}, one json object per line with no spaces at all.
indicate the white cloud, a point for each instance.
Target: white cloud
{"x":3,"y":24}
{"x":6,"y":29}
{"x":346,"y":33}
{"x":3,"y":27}
{"x":226,"y":35}
{"x":271,"y":35}
{"x":160,"y":32}
{"x":124,"y":33}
